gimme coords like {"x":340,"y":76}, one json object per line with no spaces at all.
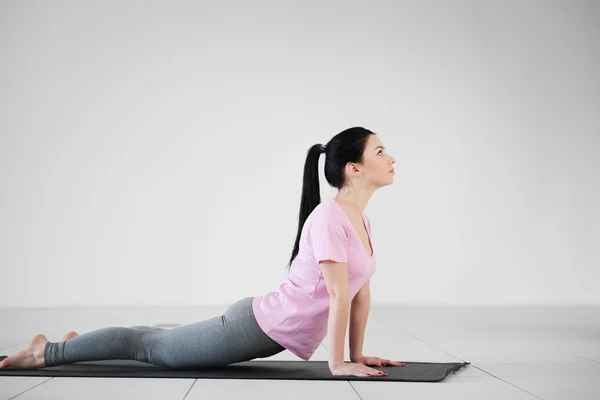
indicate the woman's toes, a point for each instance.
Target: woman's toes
{"x":5,"y":362}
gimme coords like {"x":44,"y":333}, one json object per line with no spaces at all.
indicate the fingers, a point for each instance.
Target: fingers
{"x":379,"y":374}
{"x":390,"y":362}
{"x":376,"y":372}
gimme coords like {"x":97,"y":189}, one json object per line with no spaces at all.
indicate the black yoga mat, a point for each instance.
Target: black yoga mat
{"x":268,"y":369}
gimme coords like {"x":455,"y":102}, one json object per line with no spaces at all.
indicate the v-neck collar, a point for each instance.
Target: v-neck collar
{"x":366,"y":230}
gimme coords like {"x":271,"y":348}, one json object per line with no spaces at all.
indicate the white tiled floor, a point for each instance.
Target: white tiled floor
{"x":516,"y":352}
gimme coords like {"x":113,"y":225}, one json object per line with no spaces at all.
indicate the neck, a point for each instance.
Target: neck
{"x":356,"y":201}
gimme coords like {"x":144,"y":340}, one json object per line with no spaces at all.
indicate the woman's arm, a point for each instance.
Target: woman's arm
{"x":339,"y":309}
{"x":336,"y":280}
{"x":359,"y":313}
{"x":358,"y":323}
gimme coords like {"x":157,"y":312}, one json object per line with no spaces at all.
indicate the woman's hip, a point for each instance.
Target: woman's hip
{"x":240,"y":317}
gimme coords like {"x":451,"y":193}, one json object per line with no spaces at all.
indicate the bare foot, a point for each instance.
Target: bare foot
{"x":70,"y":335}
{"x":32,"y":357}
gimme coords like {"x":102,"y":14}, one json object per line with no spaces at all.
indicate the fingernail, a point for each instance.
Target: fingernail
{"x":369,"y":374}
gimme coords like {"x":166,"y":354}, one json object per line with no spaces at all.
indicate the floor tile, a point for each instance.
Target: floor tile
{"x":515,"y":353}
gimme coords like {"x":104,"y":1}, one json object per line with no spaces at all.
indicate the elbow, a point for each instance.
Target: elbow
{"x":339,"y":296}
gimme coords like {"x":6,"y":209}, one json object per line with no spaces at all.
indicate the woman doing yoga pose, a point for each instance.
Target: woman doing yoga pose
{"x":330,"y":269}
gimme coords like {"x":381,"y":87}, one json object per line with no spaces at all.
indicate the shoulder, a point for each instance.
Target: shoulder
{"x":328,"y":211}
{"x":327,"y":216}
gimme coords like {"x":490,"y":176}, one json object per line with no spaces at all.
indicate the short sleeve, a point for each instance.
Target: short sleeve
{"x":330,"y":239}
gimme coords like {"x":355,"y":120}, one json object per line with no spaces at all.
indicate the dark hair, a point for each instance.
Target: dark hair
{"x":347,"y":146}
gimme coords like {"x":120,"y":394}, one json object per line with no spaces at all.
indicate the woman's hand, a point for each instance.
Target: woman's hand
{"x":356,"y":369}
{"x":376,"y":361}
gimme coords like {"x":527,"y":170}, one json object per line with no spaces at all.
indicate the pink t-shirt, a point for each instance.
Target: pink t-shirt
{"x":296,"y":315}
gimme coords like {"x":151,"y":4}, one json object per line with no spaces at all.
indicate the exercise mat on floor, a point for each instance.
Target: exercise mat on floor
{"x":267,"y":369}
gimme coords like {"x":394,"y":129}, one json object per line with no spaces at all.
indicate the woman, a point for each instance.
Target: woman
{"x":332,"y":261}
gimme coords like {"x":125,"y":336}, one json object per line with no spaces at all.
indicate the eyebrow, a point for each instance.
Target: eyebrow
{"x":379,"y":147}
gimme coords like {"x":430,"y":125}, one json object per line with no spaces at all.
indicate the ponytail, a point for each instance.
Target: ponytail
{"x":311,"y":196}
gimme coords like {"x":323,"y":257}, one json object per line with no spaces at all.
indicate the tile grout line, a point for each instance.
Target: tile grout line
{"x":585,"y":358}
{"x":22,"y":344}
{"x":355,"y":391}
{"x":190,"y":389}
{"x":31,"y":388}
{"x":512,"y":384}
{"x":437,"y":348}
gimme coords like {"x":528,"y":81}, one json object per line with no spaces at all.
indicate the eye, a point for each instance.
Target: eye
{"x":380,"y":151}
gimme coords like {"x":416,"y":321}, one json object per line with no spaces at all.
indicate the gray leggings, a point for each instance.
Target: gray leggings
{"x":232,"y":337}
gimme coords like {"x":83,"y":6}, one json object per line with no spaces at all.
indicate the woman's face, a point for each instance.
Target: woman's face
{"x":377,"y":163}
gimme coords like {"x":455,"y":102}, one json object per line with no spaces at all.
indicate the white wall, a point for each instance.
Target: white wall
{"x":151,"y":153}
